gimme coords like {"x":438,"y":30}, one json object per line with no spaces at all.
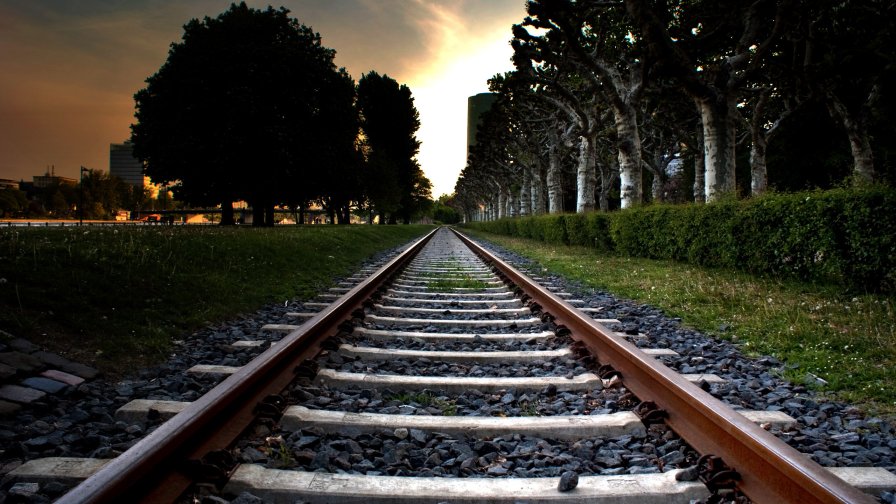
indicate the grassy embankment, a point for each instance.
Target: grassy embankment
{"x":116,"y":297}
{"x":846,"y":339}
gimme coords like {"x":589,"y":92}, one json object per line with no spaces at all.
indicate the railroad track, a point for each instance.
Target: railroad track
{"x":449,"y":376}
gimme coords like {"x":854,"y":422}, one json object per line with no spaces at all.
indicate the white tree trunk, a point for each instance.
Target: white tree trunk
{"x":586,"y":175}
{"x":699,"y":170}
{"x":511,"y":202}
{"x":629,"y":154}
{"x":525,"y":200}
{"x":656,"y":188}
{"x":863,"y":158}
{"x":539,"y":201}
{"x":718,"y":146}
{"x":758,"y":166}
{"x":554,"y":182}
{"x":859,"y":141}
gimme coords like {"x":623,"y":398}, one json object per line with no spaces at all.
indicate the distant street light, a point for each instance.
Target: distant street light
{"x":81,"y":195}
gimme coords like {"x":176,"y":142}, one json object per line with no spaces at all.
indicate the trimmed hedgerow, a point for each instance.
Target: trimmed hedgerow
{"x":846,"y":236}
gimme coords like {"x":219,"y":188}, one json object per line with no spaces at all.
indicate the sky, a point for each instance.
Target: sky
{"x":69,"y":70}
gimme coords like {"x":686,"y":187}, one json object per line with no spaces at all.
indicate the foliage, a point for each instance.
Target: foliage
{"x":713,"y":99}
{"x":442,"y":212}
{"x":844,"y":236}
{"x":389,"y":120}
{"x":12,"y":202}
{"x":245,"y":107}
{"x":117,"y":295}
{"x":103,"y":195}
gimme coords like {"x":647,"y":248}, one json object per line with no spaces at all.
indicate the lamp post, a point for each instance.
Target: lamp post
{"x":81,"y":195}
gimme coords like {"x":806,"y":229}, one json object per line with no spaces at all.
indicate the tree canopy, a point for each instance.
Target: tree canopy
{"x":389,"y":121}
{"x":697,"y":100}
{"x":249,"y":105}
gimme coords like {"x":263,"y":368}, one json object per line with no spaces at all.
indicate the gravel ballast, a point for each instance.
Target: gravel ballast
{"x":79,"y":422}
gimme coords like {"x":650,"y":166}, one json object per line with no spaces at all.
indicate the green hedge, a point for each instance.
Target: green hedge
{"x":844,"y":235}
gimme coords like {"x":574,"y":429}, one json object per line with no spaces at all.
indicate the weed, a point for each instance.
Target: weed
{"x":529,"y":408}
{"x":451,"y":284}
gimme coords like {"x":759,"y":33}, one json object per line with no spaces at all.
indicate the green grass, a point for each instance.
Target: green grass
{"x":847,"y":340}
{"x":426,"y":399}
{"x":449,"y":284}
{"x":116,"y":297}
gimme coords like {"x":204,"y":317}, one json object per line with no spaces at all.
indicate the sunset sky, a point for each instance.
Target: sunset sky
{"x":69,"y":70}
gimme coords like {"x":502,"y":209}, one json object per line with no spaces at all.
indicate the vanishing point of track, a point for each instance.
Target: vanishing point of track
{"x":193,"y":446}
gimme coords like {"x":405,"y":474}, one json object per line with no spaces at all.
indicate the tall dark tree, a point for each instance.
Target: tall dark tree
{"x":234,"y":113}
{"x":851,"y":66}
{"x":338,"y":158}
{"x":390,"y":122}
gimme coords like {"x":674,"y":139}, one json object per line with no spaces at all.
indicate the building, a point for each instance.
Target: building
{"x":124,"y":165}
{"x":50,"y":179}
{"x":8,"y":184}
{"x":476,"y":106}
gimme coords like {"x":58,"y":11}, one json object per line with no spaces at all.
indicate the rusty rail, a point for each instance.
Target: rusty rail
{"x":158,"y":468}
{"x":769,"y":470}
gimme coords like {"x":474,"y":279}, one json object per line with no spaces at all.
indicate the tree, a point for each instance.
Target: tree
{"x":235,"y":112}
{"x":850,"y":65}
{"x":389,"y":122}
{"x":543,"y":61}
{"x":597,"y":37}
{"x":12,"y":202}
{"x":338,"y":181}
{"x":711,"y":49}
{"x":443,"y":210}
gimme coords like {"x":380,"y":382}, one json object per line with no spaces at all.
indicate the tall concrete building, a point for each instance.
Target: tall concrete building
{"x":476,"y":106}
{"x":124,"y":165}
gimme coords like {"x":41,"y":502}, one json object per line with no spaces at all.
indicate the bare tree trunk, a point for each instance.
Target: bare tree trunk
{"x":758,"y":166}
{"x":513,"y":204}
{"x":586,"y":175}
{"x":525,"y":200}
{"x":501,"y":204}
{"x":554,"y":181}
{"x":629,"y":153}
{"x":759,"y":146}
{"x":718,"y":146}
{"x":656,"y":188}
{"x":699,"y":169}
{"x":539,"y":203}
{"x":859,"y":140}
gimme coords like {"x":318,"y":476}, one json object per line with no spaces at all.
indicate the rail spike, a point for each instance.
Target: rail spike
{"x":271,"y":406}
{"x":214,"y":468}
{"x":650,"y":413}
{"x":308,"y":368}
{"x":717,"y":476}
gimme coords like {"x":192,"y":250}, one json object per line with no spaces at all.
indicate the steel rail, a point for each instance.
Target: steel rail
{"x":770,"y":470}
{"x":156,"y":468}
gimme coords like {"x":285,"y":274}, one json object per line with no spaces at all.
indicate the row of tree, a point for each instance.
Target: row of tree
{"x":250,"y":106}
{"x":697,"y":100}
{"x":97,"y":196}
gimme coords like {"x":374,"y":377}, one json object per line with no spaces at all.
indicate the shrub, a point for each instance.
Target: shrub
{"x":846,"y":236}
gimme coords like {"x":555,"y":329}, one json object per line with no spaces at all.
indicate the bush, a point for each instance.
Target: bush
{"x":846,"y":236}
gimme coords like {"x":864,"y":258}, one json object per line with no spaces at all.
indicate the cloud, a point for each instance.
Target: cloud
{"x":70,"y":69}
{"x":464,"y":48}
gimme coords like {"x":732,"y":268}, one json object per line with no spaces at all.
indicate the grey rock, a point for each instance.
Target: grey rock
{"x":247,"y":498}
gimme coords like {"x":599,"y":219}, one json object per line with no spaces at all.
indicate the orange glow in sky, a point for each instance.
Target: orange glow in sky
{"x":69,"y":70}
